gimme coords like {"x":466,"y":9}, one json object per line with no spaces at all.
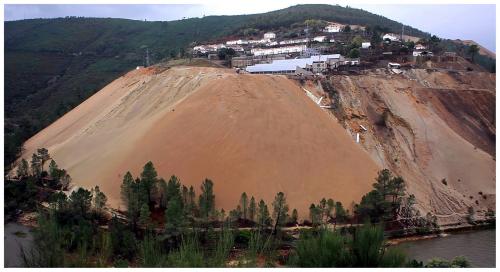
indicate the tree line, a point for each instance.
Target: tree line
{"x":76,"y":229}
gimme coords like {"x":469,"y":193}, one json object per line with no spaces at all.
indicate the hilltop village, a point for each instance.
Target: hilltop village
{"x":318,"y":48}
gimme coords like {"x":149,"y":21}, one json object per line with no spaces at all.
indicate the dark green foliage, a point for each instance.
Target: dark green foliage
{"x":151,"y":251}
{"x":36,"y":165}
{"x":144,"y":215}
{"x":314,"y":215}
{"x":463,"y":50}
{"x":326,"y":249}
{"x":207,"y":199}
{"x":244,"y":205}
{"x":130,"y":197}
{"x":366,"y":248}
{"x":174,"y":216}
{"x":43,"y":155}
{"x":48,"y":247}
{"x":382,"y":203}
{"x":22,"y":169}
{"x":80,"y":201}
{"x":99,"y":199}
{"x":149,"y":178}
{"x":19,"y":195}
{"x":226,"y":53}
{"x":123,"y":242}
{"x":354,"y":53}
{"x":252,"y":209}
{"x":280,"y":210}
{"x":263,"y":218}
{"x":189,"y":254}
{"x":340,"y":213}
{"x":457,"y":262}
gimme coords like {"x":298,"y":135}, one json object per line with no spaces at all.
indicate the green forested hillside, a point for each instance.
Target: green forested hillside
{"x":52,"y":65}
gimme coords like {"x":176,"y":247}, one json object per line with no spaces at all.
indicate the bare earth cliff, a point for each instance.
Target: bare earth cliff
{"x":435,"y":128}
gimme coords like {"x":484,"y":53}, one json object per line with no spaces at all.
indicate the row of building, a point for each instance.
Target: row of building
{"x":312,"y":65}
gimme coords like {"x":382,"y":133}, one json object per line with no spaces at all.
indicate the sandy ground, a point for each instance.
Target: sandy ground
{"x":440,"y":126}
{"x":255,"y":133}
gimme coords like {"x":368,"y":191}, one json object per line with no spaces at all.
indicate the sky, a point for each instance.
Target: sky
{"x":462,"y":21}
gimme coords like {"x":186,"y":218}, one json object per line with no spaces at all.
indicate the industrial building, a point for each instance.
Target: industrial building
{"x":289,"y":66}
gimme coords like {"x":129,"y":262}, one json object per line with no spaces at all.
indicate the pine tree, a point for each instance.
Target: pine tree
{"x":173,"y":189}
{"x":144,"y":218}
{"x":207,"y":199}
{"x":149,"y":179}
{"x":36,"y":165}
{"x":340,"y":213}
{"x":263,"y":218}
{"x":185,"y":196}
{"x":80,"y":201}
{"x":323,"y":210}
{"x":252,"y":209}
{"x":192,"y":202}
{"x":174,"y":215}
{"x":99,"y":199}
{"x":44,"y":156}
{"x":280,"y":211}
{"x":295,"y":216}
{"x":53,"y":169}
{"x":130,"y":197}
{"x":244,"y":205}
{"x":330,"y":206}
{"x":65,"y":180}
{"x":314,"y":215}
{"x":22,"y":169}
{"x":162,"y":184}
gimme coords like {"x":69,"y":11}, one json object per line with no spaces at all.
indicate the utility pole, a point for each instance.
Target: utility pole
{"x":402,"y":33}
{"x":147,"y":57}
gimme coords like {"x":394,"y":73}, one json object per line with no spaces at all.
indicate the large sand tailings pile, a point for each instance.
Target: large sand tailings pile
{"x":255,"y":133}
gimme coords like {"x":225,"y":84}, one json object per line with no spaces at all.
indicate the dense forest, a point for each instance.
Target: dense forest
{"x":52,"y":65}
{"x":167,"y":224}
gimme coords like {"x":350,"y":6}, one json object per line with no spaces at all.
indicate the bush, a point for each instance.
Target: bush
{"x":438,"y":263}
{"x":460,"y":261}
{"x":328,"y":249}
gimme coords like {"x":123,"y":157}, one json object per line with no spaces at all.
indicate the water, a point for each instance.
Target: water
{"x":15,"y":236}
{"x":477,"y":246}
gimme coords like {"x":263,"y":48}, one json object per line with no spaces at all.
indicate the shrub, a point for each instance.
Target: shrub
{"x":327,"y":249}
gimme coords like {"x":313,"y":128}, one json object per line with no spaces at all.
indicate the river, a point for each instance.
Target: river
{"x":15,"y":236}
{"x":477,"y":246}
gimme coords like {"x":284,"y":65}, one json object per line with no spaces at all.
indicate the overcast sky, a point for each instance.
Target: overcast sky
{"x":474,"y":22}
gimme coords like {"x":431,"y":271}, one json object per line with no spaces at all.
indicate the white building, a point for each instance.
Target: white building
{"x":391,"y":37}
{"x":419,"y":47}
{"x":290,"y":66}
{"x":319,"y":39}
{"x":269,"y":35}
{"x":207,"y":48}
{"x":278,"y":50}
{"x":236,"y":48}
{"x":272,"y":43}
{"x":262,"y":41}
{"x":294,"y":41}
{"x":422,"y":53}
{"x":331,"y":28}
{"x":237,"y":42}
{"x":366,"y":45}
